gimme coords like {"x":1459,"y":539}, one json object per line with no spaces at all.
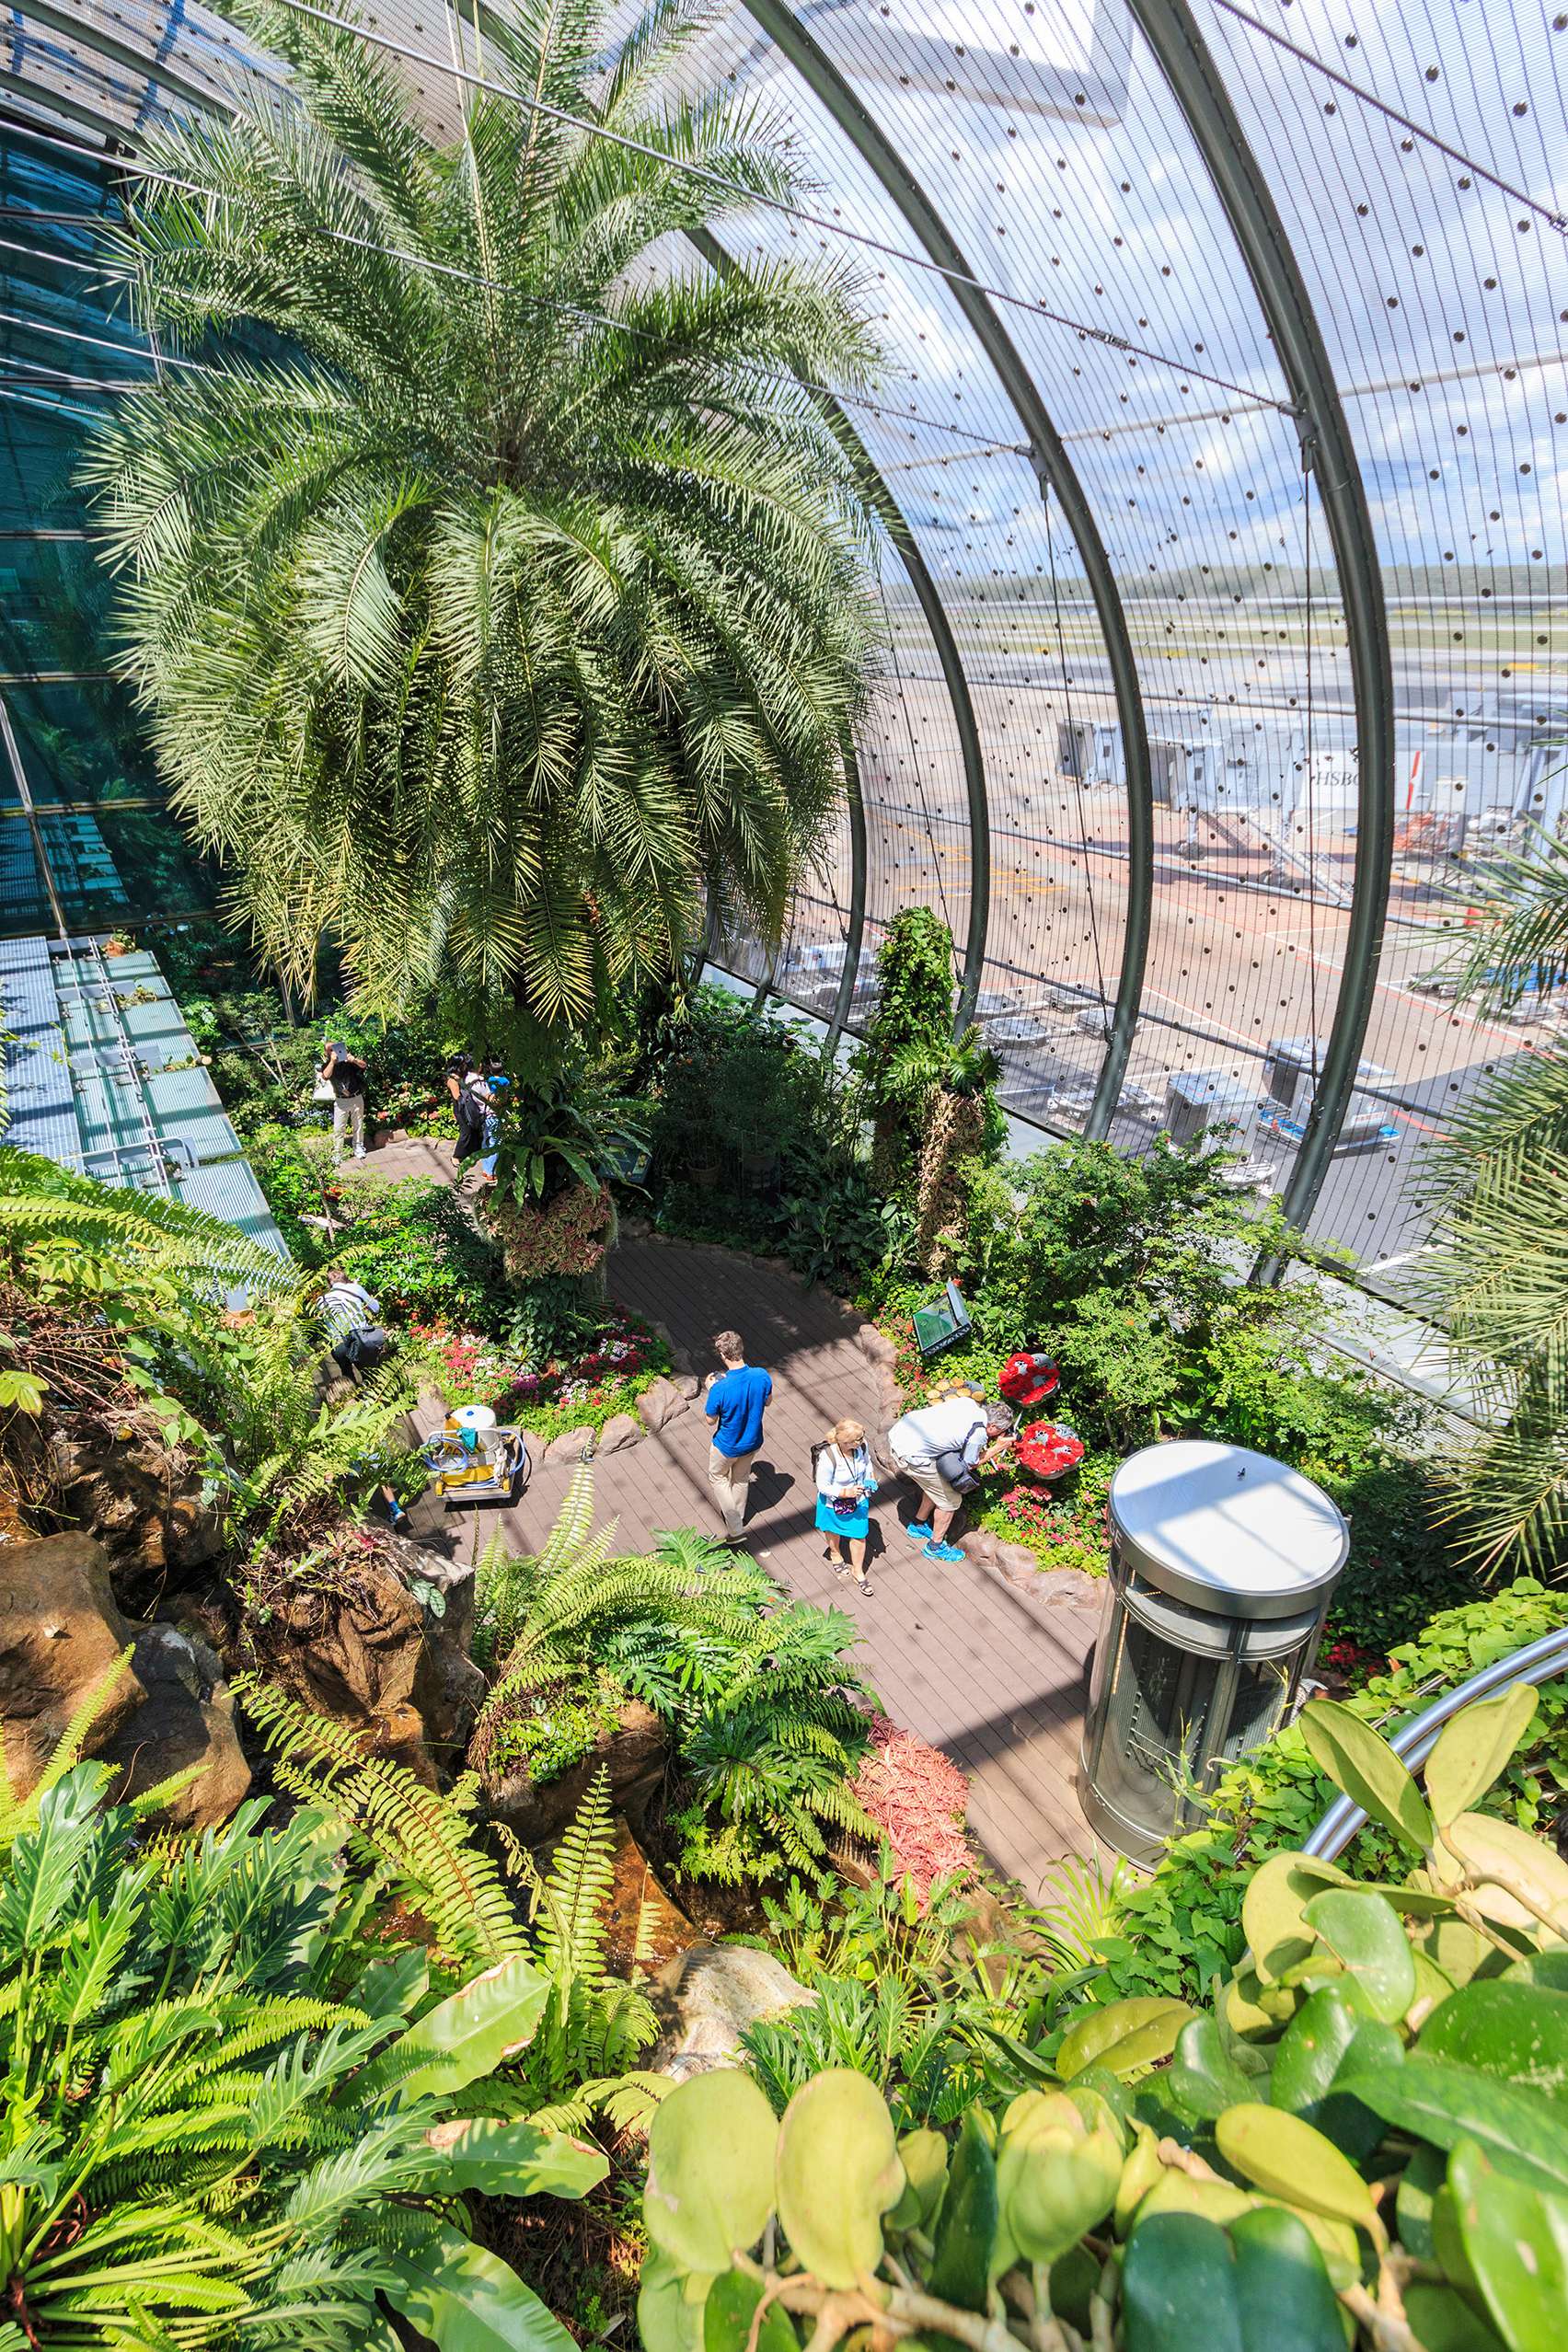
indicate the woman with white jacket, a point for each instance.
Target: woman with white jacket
{"x":846,"y":1483}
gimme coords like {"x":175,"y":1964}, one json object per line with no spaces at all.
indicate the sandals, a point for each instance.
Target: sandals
{"x":841,"y":1569}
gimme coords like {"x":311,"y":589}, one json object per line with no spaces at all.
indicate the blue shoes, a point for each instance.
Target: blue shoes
{"x":934,"y":1550}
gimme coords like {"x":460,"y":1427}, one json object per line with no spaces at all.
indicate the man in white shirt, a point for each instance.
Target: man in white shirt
{"x":941,"y":1447}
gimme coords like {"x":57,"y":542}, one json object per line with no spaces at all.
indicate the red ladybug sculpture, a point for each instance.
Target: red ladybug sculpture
{"x":1029,"y":1379}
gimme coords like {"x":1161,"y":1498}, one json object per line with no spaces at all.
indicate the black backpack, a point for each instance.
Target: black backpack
{"x":470,"y":1124}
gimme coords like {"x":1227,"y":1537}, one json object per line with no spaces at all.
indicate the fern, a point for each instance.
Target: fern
{"x":40,"y":1203}
{"x":424,"y":1839}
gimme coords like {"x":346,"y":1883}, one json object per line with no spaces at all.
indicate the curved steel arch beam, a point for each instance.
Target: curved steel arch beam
{"x":1053,"y":471}
{"x":1328,"y":452}
{"x":855,"y":932}
{"x":892,"y":518}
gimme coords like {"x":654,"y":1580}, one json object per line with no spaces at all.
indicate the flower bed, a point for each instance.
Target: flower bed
{"x":917,"y":1798}
{"x":607,"y":1378}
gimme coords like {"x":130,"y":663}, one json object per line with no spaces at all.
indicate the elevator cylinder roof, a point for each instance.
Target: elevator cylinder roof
{"x":1228,"y":1531}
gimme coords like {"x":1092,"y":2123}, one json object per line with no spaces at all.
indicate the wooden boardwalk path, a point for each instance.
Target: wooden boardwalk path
{"x":984,"y":1672}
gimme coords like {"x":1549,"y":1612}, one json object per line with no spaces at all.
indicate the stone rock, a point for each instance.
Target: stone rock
{"x":61,"y":1635}
{"x":706,"y":1998}
{"x":621,"y":1430}
{"x":875,"y":1345}
{"x":687,"y":1385}
{"x":186,"y":1718}
{"x":61,"y":1638}
{"x":642,"y":1927}
{"x":660,"y":1403}
{"x":448,"y":1688}
{"x":142,"y":1499}
{"x":569,"y":1446}
{"x":1070,"y":1587}
{"x":979,"y":1544}
{"x":634,"y":1751}
{"x":1018,"y":1565}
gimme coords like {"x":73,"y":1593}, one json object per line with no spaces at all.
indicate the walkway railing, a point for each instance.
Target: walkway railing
{"x":1415,"y":1741}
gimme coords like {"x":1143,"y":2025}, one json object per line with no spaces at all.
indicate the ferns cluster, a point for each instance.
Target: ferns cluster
{"x":45,"y":1207}
{"x":757,"y":1689}
{"x":231,"y":2115}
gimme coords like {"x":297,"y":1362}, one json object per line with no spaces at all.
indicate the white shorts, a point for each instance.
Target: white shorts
{"x":932,"y":1485}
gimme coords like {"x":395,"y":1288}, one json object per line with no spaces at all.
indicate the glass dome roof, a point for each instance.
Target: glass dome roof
{"x":1217,"y":456}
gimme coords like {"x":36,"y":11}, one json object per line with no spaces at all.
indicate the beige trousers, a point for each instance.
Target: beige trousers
{"x":729,"y":1475}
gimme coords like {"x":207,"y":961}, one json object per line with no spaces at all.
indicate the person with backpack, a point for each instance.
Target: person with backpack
{"x":349,"y":1316}
{"x":943,"y":1448}
{"x":846,"y":1483}
{"x":471,"y":1101}
{"x":344,"y":1073}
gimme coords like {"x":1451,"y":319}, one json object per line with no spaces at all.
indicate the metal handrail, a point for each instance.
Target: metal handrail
{"x":1414,"y":1742}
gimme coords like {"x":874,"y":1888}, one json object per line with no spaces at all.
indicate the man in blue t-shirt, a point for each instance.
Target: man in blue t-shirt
{"x":736,"y":1399}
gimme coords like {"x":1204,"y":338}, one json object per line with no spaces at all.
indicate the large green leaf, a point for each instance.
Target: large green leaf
{"x":1516,"y":2031}
{"x":710,"y":2170}
{"x":1179,"y":2287}
{"x":1272,"y":1914}
{"x":468,"y":2301}
{"x":1203,"y":2080}
{"x":1365,"y":1934}
{"x":1441,"y":2100}
{"x":1329,"y":2037}
{"x":514,"y":2160}
{"x":1123,"y":2035}
{"x":1517,"y":2240}
{"x":1488,"y":1846}
{"x":1474,"y":1749}
{"x":1442,"y":2321}
{"x":1282,"y":2289}
{"x":1285,"y":2158}
{"x":1366,"y":1768}
{"x":728,"y":2313}
{"x":463,"y":2037}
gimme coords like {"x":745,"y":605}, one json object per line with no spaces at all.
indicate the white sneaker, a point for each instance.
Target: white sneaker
{"x":360,"y":1153}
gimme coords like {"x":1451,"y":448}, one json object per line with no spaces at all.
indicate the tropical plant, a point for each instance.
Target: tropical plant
{"x":1500,"y":1279}
{"x":232,"y":2114}
{"x":487,"y":595}
{"x":289,"y":1447}
{"x":542,"y":1618}
{"x":581,"y":2060}
{"x":770,"y":1779}
{"x":1362,"y":2142}
{"x":49,"y":1214}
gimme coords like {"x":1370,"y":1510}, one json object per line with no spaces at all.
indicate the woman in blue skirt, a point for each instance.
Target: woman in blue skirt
{"x":846,"y":1483}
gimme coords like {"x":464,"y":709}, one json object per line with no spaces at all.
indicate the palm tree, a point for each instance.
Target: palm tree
{"x":490,"y":591}
{"x":1501,"y":1279}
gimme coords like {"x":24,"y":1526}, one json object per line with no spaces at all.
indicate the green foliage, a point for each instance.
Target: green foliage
{"x":1412,"y":2034}
{"x":231,"y":2115}
{"x":771,"y":1782}
{"x":581,"y":2062}
{"x":287,"y":1450}
{"x":1182,"y":1925}
{"x":552,"y":1730}
{"x":82,"y":1224}
{"x":412,"y":1248}
{"x":490,"y":600}
{"x":915,"y":988}
{"x":914,"y":2000}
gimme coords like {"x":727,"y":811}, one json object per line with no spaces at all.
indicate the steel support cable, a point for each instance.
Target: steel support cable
{"x":882,"y":410}
{"x":855,"y":931}
{"x":920,"y":789}
{"x":1379,"y":106}
{"x":1414,"y":1740}
{"x":958,"y":272}
{"x":893,"y":521}
{"x":1328,"y":450}
{"x":1053,"y":470}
